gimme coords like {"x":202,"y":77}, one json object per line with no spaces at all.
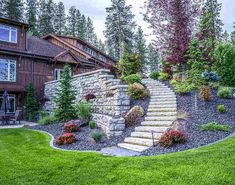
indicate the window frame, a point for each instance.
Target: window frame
{"x":10,"y":29}
{"x":9,"y":62}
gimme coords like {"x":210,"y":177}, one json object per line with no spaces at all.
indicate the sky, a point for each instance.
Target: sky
{"x":96,"y":10}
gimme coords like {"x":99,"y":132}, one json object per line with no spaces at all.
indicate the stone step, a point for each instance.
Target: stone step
{"x":157,"y":123}
{"x":160,"y":118}
{"x":139,"y":141}
{"x":154,"y":102}
{"x":151,"y":128}
{"x":132,"y":147}
{"x":163,"y":96}
{"x":161,"y":113}
{"x":108,"y":77}
{"x":162,"y":109}
{"x":157,"y":99}
{"x":147,"y":135}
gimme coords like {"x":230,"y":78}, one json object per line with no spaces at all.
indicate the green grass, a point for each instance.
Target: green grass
{"x":215,"y":127}
{"x":27,"y":159}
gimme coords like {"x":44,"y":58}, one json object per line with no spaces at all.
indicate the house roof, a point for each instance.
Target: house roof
{"x":13,"y":22}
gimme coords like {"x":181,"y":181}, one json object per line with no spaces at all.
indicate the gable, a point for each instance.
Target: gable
{"x":66,"y":57}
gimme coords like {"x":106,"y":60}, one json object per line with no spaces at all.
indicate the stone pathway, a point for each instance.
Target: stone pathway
{"x":23,"y":123}
{"x":162,"y":112}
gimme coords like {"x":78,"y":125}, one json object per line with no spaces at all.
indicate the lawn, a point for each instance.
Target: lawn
{"x":26,"y":158}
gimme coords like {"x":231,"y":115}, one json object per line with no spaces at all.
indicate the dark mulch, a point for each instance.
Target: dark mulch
{"x":205,"y":113}
{"x":84,"y":141}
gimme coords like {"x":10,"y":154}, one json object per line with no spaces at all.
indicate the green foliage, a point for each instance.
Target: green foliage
{"x":215,"y":127}
{"x":154,"y":75}
{"x":134,"y":78}
{"x":164,"y":76}
{"x":225,"y":92}
{"x":225,"y":64}
{"x":97,"y":136}
{"x":48,"y":120}
{"x":31,"y":103}
{"x":173,"y":82}
{"x":65,"y":97}
{"x":221,"y":108}
{"x":184,"y":88}
{"x":92,"y":124}
{"x":84,"y":110}
{"x":137,"y":91}
{"x":129,"y":64}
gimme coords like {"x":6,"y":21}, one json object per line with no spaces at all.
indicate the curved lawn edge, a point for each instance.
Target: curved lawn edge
{"x":51,"y":144}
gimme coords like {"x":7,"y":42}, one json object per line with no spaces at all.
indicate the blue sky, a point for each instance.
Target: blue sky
{"x":96,"y":10}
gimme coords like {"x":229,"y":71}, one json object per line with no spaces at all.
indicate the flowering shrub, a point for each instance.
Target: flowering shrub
{"x":90,"y":96}
{"x":71,"y":127}
{"x":172,"y":137}
{"x":65,"y":139}
{"x":137,"y":91}
{"x":109,"y":94}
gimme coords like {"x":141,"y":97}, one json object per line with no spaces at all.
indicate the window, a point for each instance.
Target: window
{"x":102,"y":58}
{"x":7,"y":70}
{"x":12,"y":101}
{"x":58,"y":73}
{"x":8,"y":34}
{"x":90,"y":51}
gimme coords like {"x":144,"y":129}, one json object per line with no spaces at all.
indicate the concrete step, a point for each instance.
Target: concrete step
{"x":139,"y":141}
{"x":147,"y":135}
{"x":163,"y":96}
{"x":157,"y":123}
{"x":164,"y":109}
{"x":157,"y":99}
{"x":151,"y":128}
{"x":160,"y":118}
{"x":170,"y":102}
{"x":161,"y":113}
{"x":159,"y":105}
{"x":132,"y":147}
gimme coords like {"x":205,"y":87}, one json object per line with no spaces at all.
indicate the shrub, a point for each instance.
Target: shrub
{"x":184,"y":88}
{"x":71,"y":127}
{"x":133,"y":114}
{"x":90,"y":96}
{"x":205,"y":93}
{"x":154,"y":75}
{"x":97,"y":136}
{"x":84,"y":110}
{"x":164,"y":76}
{"x":67,"y":138}
{"x":48,"y":120}
{"x":172,"y":137}
{"x":215,"y":127}
{"x":225,"y":92}
{"x":137,"y":91}
{"x":221,"y":108}
{"x":109,"y":94}
{"x":92,"y":124}
{"x":134,"y":78}
{"x":173,"y":82}
{"x":210,"y":76}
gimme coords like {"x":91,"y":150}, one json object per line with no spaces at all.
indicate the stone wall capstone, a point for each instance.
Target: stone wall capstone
{"x":108,"y":112}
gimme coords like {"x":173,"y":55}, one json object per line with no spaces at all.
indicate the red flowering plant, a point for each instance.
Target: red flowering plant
{"x":71,"y":127}
{"x":90,"y":96}
{"x":172,"y":137}
{"x":67,"y":138}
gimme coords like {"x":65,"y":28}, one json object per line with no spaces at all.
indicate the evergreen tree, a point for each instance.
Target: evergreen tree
{"x":153,"y":58}
{"x":225,"y":37}
{"x":101,"y":46}
{"x":2,"y":2}
{"x":90,"y":35}
{"x":65,"y":97}
{"x":72,"y":22}
{"x":119,"y":26}
{"x":210,"y":29}
{"x":31,"y":103}
{"x":78,"y":21}
{"x":83,"y":27}
{"x":13,"y":9}
{"x":140,"y":46}
{"x":60,"y":19}
{"x":31,"y":15}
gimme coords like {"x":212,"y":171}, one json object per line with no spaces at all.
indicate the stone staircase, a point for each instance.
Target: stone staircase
{"x":161,"y":114}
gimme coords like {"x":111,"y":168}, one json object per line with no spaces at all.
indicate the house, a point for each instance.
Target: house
{"x":25,"y":59}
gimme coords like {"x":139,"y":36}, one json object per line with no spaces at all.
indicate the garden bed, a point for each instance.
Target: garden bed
{"x":206,"y":112}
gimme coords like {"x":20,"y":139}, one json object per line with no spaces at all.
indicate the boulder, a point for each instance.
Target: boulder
{"x":180,"y":125}
{"x":132,"y":115}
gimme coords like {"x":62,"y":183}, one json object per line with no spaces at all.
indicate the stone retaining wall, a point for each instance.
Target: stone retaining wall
{"x":107,"y":111}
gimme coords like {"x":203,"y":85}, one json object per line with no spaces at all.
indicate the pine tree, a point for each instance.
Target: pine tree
{"x":78,"y":21}
{"x":210,"y":29}
{"x":140,"y":46}
{"x":60,"y":19}
{"x":65,"y":97}
{"x":13,"y":9}
{"x":101,"y":46}
{"x":2,"y":2}
{"x":31,"y":15}
{"x":153,"y":61}
{"x":31,"y":103}
{"x":83,"y":27}
{"x":72,"y":22}
{"x":225,"y":37}
{"x":119,"y":26}
{"x":90,"y":31}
